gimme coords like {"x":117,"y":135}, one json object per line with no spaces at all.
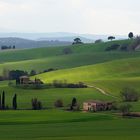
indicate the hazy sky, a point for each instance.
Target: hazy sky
{"x":79,"y":16}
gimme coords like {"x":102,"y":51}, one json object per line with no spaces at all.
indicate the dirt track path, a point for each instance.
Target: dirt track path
{"x":101,"y":91}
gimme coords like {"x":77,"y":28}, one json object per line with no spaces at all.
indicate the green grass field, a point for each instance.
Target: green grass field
{"x":49,"y":96}
{"x":61,"y":125}
{"x":88,"y":63}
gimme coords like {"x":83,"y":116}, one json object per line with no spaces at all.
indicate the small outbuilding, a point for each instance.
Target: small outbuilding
{"x":95,"y":105}
{"x":25,"y":80}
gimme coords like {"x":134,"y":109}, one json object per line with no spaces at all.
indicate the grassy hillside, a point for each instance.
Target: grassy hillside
{"x":53,"y":57}
{"x":26,"y":54}
{"x":89,"y":63}
{"x":66,"y":61}
{"x":124,"y":70}
{"x":49,"y":96}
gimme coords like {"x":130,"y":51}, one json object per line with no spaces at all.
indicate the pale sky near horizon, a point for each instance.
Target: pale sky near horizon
{"x":78,"y":16}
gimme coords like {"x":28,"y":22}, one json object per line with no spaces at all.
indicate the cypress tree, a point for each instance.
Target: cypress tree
{"x":0,"y":101}
{"x":3,"y":100}
{"x":74,"y":102}
{"x":15,"y":102}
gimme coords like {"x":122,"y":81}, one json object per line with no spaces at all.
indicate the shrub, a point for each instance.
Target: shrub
{"x":124,"y":47}
{"x":58,"y":103}
{"x":113,"y":47}
{"x":67,"y":51}
{"x":98,"y":41}
{"x":49,"y":70}
{"x":130,"y":95}
{"x":36,"y":105}
{"x":125,"y":109}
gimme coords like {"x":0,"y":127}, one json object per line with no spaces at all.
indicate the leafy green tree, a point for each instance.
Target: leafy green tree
{"x":16,"y":74}
{"x":77,"y":41}
{"x":111,"y":38}
{"x":130,"y":95}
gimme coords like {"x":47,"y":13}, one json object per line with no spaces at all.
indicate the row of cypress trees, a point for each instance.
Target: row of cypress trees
{"x":2,"y":101}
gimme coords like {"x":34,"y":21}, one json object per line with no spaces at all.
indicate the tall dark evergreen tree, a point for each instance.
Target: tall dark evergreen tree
{"x":0,"y":102}
{"x":15,"y":102}
{"x":3,"y":100}
{"x":74,"y":102}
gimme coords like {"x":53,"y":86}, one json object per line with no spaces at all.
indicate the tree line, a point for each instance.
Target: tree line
{"x":3,"y":105}
{"x":35,"y":103}
{"x":4,"y":47}
{"x":15,"y":74}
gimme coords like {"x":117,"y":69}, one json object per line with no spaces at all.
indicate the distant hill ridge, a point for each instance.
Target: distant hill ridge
{"x":22,"y":43}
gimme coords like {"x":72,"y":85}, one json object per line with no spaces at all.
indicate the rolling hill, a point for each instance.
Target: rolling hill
{"x":89,"y":63}
{"x":37,"y":53}
{"x":125,"y":71}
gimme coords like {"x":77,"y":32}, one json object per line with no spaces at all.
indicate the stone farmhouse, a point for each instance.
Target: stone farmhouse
{"x":94,"y":105}
{"x":25,"y":80}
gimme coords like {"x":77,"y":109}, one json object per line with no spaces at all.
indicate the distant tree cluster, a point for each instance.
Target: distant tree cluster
{"x":36,"y":104}
{"x":130,"y":95}
{"x":64,"y":84}
{"x":15,"y":74}
{"x":115,"y":47}
{"x":12,"y":74}
{"x":4,"y":47}
{"x":135,"y":43}
{"x":125,"y":109}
